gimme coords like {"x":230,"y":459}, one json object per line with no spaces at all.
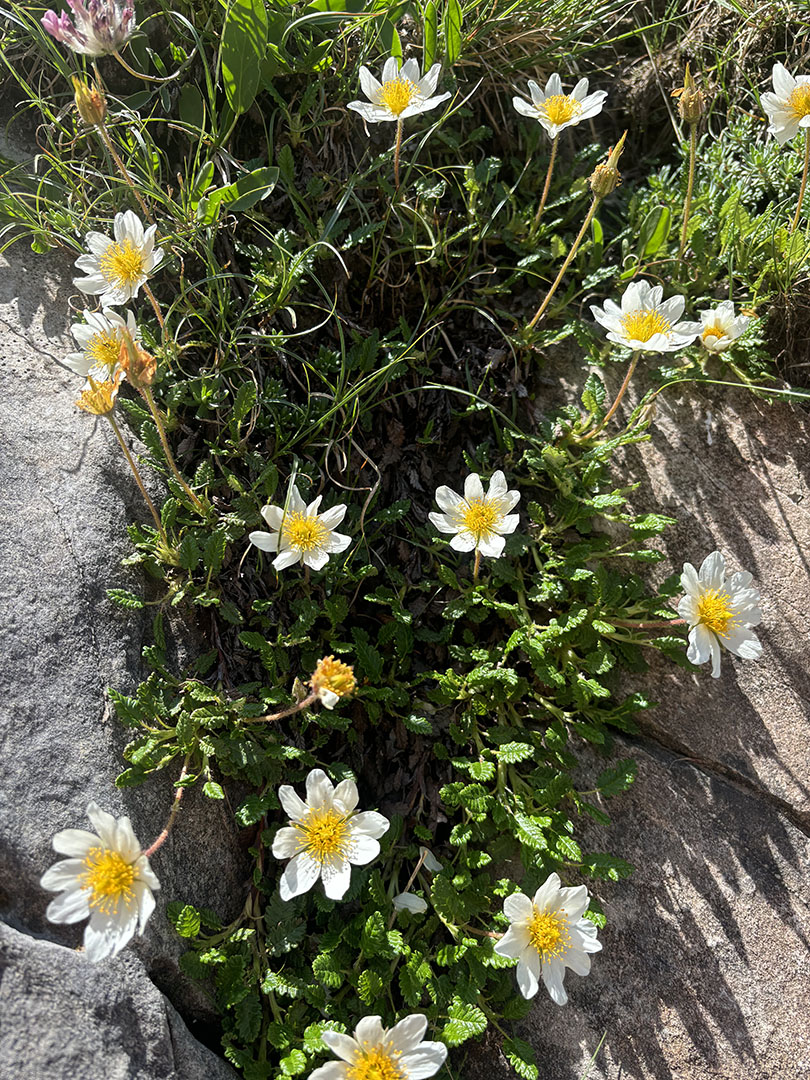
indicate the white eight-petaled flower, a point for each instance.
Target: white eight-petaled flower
{"x":478,"y":521}
{"x":117,"y":268}
{"x":546,"y":935}
{"x":556,"y":110}
{"x":719,"y":327}
{"x":300,"y":533}
{"x":720,"y":612}
{"x":378,"y":1053}
{"x":788,"y":107}
{"x":645,"y":322}
{"x":325,"y":837}
{"x":105,"y":876}
{"x":100,"y":337}
{"x":403,"y":92}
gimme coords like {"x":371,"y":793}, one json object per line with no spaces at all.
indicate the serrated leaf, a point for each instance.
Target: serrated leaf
{"x":466,"y":1022}
{"x":521,"y":1057}
{"x":618,"y":778}
{"x":125,"y":599}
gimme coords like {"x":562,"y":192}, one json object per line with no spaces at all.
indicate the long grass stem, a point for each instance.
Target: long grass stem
{"x":574,"y":247}
{"x":804,"y":179}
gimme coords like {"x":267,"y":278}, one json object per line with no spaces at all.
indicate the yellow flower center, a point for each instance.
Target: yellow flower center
{"x":122,"y":264}
{"x":334,"y":675}
{"x":103,"y":348}
{"x":304,"y":533}
{"x":799,"y":101}
{"x":713,"y":331}
{"x":641,"y":325}
{"x":548,"y":932}
{"x":324,"y":832}
{"x":714,"y":612}
{"x":479,"y":517}
{"x":109,"y":879}
{"x":397,"y":94}
{"x":560,"y":108}
{"x":99,"y":399}
{"x":375,"y":1064}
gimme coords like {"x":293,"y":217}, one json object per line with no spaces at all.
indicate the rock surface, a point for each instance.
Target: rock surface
{"x":66,"y":497}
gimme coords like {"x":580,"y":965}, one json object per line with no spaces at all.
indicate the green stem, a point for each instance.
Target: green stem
{"x":617,"y":401}
{"x":687,"y":206}
{"x":544,"y":196}
{"x":397,"y":148}
{"x":105,"y":135}
{"x":137,"y":475}
{"x":589,"y":218}
{"x":164,"y":442}
{"x":804,"y":179}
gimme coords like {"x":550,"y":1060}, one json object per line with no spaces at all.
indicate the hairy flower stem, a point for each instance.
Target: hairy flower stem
{"x":617,"y":401}
{"x":397,"y":148}
{"x":270,"y":718}
{"x":105,"y":135}
{"x":477,"y":565}
{"x":804,"y":179}
{"x":136,"y":474}
{"x":155,"y":307}
{"x":687,"y":205}
{"x":544,"y":196}
{"x":140,"y":74}
{"x":655,"y":624}
{"x":164,"y":442}
{"x":589,"y":218}
{"x":178,"y":795}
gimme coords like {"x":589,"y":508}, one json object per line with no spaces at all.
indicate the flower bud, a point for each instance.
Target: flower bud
{"x":691,"y":101}
{"x":99,"y":397}
{"x":332,"y":680}
{"x":605,"y":178}
{"x":139,"y":365}
{"x":90,"y":102}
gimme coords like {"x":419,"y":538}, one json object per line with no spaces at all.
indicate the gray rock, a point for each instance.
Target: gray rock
{"x":66,"y":496}
{"x":65,"y":1017}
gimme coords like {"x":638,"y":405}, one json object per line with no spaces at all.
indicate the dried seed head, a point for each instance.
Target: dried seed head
{"x":99,"y":399}
{"x":605,"y":178}
{"x":139,"y":365}
{"x":691,"y":101}
{"x":332,"y":679}
{"x":90,"y":102}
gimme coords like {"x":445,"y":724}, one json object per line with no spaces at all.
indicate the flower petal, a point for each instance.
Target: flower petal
{"x":300,"y":874}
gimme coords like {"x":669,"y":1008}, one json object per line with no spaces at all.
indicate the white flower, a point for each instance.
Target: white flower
{"x":547,"y":935}
{"x":719,"y":610}
{"x":478,"y":520}
{"x":117,"y":268}
{"x":378,"y":1053}
{"x":106,"y":877}
{"x":788,"y":107}
{"x":408,"y":901}
{"x":402,"y":93}
{"x":100,"y":337}
{"x":556,"y":110}
{"x":326,"y":837}
{"x":644,"y":322}
{"x":718,"y":327}
{"x":300,"y":533}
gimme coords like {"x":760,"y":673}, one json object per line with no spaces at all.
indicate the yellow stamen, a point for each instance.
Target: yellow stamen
{"x":397,"y":94}
{"x":548,"y":932}
{"x":103,"y":348}
{"x":334,"y":675}
{"x":109,"y":879}
{"x":799,"y":101}
{"x":99,"y":398}
{"x":714,"y":611}
{"x":479,"y":517}
{"x":713,"y":331}
{"x":374,"y":1064}
{"x":304,"y":533}
{"x":560,"y":108}
{"x":324,"y":832}
{"x":122,"y":264}
{"x":641,"y":325}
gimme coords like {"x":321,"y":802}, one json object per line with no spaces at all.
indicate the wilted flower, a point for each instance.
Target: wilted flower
{"x":332,"y":680}
{"x":644,"y":322}
{"x":402,"y":93}
{"x":556,"y":110}
{"x":100,"y":337}
{"x":378,"y":1053}
{"x":719,"y":611}
{"x":139,"y":365}
{"x":98,"y":26}
{"x":408,"y":901}
{"x":547,"y":935}
{"x":117,"y":268}
{"x":788,"y":107}
{"x":605,"y":178}
{"x":479,"y":521}
{"x":718,"y":327}
{"x":429,"y":860}
{"x":325,"y":837}
{"x":106,"y":877}
{"x":691,"y":100}
{"x":300,"y":533}
{"x":91,"y":104}
{"x":98,"y":398}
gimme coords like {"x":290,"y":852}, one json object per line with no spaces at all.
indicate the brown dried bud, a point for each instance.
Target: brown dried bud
{"x":90,"y":102}
{"x":605,"y":178}
{"x":99,"y":399}
{"x":139,"y":365}
{"x":691,"y":101}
